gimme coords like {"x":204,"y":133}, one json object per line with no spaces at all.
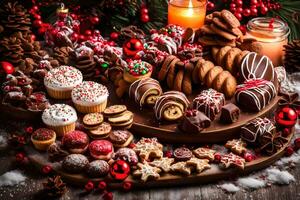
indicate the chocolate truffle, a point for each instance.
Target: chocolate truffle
{"x":194,"y":121}
{"x":98,"y":168}
{"x":145,"y":91}
{"x":230,"y":113}
{"x":127,"y":155}
{"x":209,"y":102}
{"x":75,"y":163}
{"x":253,"y":130}
{"x":255,"y":94}
{"x":256,"y":66}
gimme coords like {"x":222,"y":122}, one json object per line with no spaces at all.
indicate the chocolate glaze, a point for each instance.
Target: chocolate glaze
{"x":230,"y":113}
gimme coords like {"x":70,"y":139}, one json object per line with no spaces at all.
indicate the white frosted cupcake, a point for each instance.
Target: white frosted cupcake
{"x":61,"y":118}
{"x":90,"y":97}
{"x":60,"y":81}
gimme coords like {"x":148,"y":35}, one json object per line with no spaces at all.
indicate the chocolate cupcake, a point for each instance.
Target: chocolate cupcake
{"x":97,"y":168}
{"x":75,"y":163}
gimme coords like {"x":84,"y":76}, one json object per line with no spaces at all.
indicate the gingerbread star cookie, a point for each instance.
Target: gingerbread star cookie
{"x":205,"y":153}
{"x":148,"y":148}
{"x":231,"y":159}
{"x":146,"y":171}
{"x":163,"y":163}
{"x":237,"y":146}
{"x":181,"y":167}
{"x":199,"y":164}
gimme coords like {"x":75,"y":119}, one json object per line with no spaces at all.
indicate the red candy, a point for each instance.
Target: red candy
{"x":46,"y":169}
{"x":102,"y":185}
{"x":89,"y":186}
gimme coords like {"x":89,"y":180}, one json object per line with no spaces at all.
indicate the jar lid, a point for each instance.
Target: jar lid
{"x":268,"y":27}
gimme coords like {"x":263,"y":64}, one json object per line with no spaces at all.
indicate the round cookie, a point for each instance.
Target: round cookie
{"x":165,"y":67}
{"x":187,"y":82}
{"x":101,"y":132}
{"x":214,"y":52}
{"x":123,"y":117}
{"x":178,"y":81}
{"x":92,"y":120}
{"x":224,"y":34}
{"x":221,"y":54}
{"x":211,"y":75}
{"x":195,"y":73}
{"x":114,"y":110}
{"x":220,"y":79}
{"x":220,"y":23}
{"x":229,"y":87}
{"x":238,"y":61}
{"x":229,"y":59}
{"x":230,"y":19}
{"x":204,"y":68}
{"x":182,"y":154}
{"x":172,"y":73}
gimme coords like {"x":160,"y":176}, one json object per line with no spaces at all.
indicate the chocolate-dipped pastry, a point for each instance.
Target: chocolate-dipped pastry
{"x":256,"y":66}
{"x":170,"y":106}
{"x":230,"y":113}
{"x":255,"y":94}
{"x":253,"y":130}
{"x":194,"y":121}
{"x":145,"y":91}
{"x":209,"y":102}
{"x":271,"y":142}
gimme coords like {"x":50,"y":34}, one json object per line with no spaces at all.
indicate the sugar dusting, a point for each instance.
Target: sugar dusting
{"x":12,"y":178}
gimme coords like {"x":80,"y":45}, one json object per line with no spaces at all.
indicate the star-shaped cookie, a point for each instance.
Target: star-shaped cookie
{"x":236,"y":146}
{"x":181,"y":167}
{"x":148,"y":148}
{"x":199,"y":164}
{"x":163,"y":163}
{"x":145,"y":171}
{"x":205,"y":153}
{"x":231,"y":159}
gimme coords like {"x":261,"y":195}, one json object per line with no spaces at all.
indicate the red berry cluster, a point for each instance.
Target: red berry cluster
{"x":144,"y":17}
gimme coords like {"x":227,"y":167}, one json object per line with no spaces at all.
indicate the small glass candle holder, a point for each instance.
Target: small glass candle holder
{"x":187,"y":13}
{"x":272,"y":34}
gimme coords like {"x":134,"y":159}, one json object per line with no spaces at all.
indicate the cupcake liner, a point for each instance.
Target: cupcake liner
{"x":43,"y":145}
{"x":62,"y":130}
{"x":57,"y":94}
{"x":91,"y":109}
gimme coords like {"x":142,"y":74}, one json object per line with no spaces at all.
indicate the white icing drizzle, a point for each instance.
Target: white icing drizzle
{"x":210,"y":102}
{"x":252,"y":69}
{"x":140,"y":94}
{"x":165,"y":40}
{"x":168,"y":99}
{"x":261,"y":89}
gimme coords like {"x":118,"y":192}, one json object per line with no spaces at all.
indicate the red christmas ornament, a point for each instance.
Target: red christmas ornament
{"x":89,"y":186}
{"x":248,"y":157}
{"x":297,"y":143}
{"x":108,"y":196}
{"x":286,"y":117}
{"x":210,"y":6}
{"x":127,"y":185}
{"x":46,"y":169}
{"x":114,"y":36}
{"x":217,"y":157}
{"x":29,"y":129}
{"x":286,"y":132}
{"x":145,"y":18}
{"x":289,"y":151}
{"x":7,"y":67}
{"x":102,"y":185}
{"x":132,"y":47}
{"x":120,"y":170}
{"x":95,"y":20}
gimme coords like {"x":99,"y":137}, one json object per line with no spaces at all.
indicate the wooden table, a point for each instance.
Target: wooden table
{"x":32,"y":188}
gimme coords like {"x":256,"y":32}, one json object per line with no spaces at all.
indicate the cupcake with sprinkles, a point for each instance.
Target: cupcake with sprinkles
{"x":60,"y":81}
{"x":42,"y":138}
{"x":137,"y":69}
{"x":90,"y":97}
{"x":60,"y":117}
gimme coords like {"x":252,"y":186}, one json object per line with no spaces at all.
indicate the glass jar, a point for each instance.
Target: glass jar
{"x":187,"y":13}
{"x":272,"y":34}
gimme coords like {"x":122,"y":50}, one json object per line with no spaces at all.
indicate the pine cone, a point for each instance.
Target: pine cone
{"x":292,"y":56}
{"x":14,"y":17}
{"x":54,"y":187}
{"x":62,"y":55}
{"x":11,"y":50}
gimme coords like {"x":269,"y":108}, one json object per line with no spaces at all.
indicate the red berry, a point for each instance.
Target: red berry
{"x":29,"y":129}
{"x":127,"y":185}
{"x":297,"y":143}
{"x":35,"y":8}
{"x":145,"y":18}
{"x":239,"y":3}
{"x":108,"y":196}
{"x":102,"y":185}
{"x":168,"y":154}
{"x":89,"y":186}
{"x":20,"y":157}
{"x":253,"y":2}
{"x":238,"y":16}
{"x":131,"y":145}
{"x":232,"y":5}
{"x":210,"y":6}
{"x":114,"y":35}
{"x":239,"y":10}
{"x":248,"y":157}
{"x":46,"y":169}
{"x":254,"y":11}
{"x":144,"y":11}
{"x":246,"y":12}
{"x":263,"y":10}
{"x":88,"y":32}
{"x":286,"y":132}
{"x":95,"y":20}
{"x":289,"y":151}
{"x":37,"y":23}
{"x":217,"y":157}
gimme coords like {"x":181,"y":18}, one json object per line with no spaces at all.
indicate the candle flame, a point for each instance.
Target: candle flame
{"x":190,"y":11}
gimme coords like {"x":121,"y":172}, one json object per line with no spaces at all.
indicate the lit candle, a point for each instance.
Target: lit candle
{"x":187,"y":13}
{"x":272,"y":34}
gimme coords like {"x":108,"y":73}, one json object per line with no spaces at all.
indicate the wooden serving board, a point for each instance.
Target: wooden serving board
{"x":166,"y":180}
